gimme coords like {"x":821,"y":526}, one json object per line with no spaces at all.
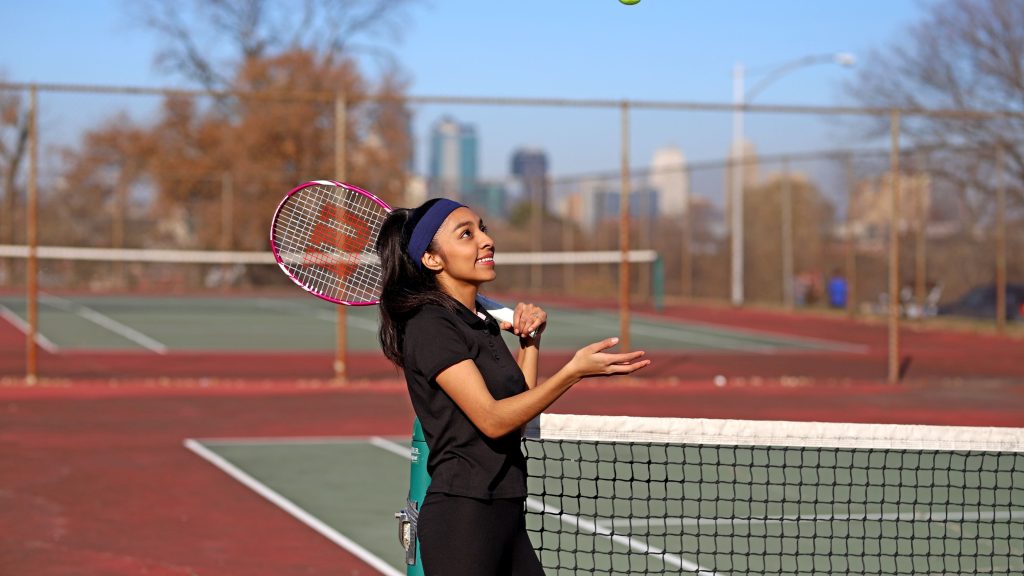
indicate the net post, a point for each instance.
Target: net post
{"x":624,"y":342}
{"x":894,"y":248}
{"x":31,"y":349}
{"x":419,"y":480}
{"x":340,"y":165}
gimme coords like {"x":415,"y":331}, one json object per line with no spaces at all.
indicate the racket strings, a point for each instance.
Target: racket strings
{"x":325,"y":236}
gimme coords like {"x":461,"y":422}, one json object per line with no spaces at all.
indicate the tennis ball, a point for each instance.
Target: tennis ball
{"x":720,"y":381}
{"x":630,"y":2}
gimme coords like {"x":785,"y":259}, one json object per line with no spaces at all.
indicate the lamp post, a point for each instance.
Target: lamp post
{"x":741,"y":98}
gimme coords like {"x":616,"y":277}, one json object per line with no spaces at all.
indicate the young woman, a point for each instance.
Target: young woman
{"x":471,"y":396}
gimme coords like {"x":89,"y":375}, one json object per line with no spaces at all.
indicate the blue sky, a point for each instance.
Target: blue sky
{"x":655,"y":50}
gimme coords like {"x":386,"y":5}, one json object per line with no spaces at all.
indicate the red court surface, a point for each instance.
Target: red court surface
{"x":95,"y":479}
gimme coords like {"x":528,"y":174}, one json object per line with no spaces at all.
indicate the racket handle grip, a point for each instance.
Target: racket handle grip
{"x":500,"y":312}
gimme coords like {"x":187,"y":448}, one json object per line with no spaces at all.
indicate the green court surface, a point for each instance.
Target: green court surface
{"x":348,"y":490}
{"x":304,"y":323}
{"x":666,"y":518}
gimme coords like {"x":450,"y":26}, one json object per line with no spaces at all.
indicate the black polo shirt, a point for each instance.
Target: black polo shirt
{"x":463,"y":461}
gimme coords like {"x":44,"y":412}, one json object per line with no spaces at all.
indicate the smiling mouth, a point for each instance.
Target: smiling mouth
{"x":485,"y":260}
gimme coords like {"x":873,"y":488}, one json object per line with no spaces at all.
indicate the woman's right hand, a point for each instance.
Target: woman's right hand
{"x":592,"y":360}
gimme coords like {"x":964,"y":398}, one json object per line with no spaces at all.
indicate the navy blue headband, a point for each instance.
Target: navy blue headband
{"x":425,"y":221}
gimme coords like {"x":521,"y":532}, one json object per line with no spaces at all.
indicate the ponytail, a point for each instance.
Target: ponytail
{"x":406,"y":286}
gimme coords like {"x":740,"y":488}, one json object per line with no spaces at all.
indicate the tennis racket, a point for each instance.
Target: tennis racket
{"x":324,"y":235}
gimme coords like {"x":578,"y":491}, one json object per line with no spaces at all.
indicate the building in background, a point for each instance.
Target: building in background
{"x":870,"y":209}
{"x":490,"y":198}
{"x":749,"y":168}
{"x":530,"y":168}
{"x":598,"y":202}
{"x":669,"y":179}
{"x":453,"y":168}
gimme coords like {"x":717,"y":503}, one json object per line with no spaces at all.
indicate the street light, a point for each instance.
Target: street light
{"x":741,"y":98}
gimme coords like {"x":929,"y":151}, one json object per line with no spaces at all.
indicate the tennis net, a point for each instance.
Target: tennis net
{"x":621,"y":495}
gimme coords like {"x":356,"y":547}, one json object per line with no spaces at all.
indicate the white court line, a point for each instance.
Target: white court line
{"x":578,"y":522}
{"x":107,"y":322}
{"x":293,"y":509}
{"x":286,"y":440}
{"x":601,"y":529}
{"x":907,"y":516}
{"x":393,"y":447}
{"x":709,"y":340}
{"x":43,"y":342}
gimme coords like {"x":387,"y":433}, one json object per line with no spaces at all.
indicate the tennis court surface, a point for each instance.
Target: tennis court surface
{"x":293,"y":336}
{"x":619,"y":495}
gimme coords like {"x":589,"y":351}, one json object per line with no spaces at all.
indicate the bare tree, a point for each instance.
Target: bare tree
{"x":208,"y":41}
{"x":964,"y":55}
{"x":813,"y":217}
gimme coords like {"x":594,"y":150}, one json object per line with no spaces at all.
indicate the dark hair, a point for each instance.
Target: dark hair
{"x":406,"y":286}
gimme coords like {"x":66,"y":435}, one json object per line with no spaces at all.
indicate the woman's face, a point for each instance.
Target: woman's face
{"x":465,"y":253}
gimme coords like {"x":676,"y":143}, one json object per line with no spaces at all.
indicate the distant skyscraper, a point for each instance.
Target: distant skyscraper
{"x":599,"y":202}
{"x":453,"y":159}
{"x":668,"y":178}
{"x":491,"y":198}
{"x":530,"y":167}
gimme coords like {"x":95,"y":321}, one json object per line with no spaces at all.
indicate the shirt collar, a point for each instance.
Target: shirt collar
{"x":475,"y":321}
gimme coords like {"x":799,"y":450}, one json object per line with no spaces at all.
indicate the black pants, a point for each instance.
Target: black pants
{"x":468,"y":537}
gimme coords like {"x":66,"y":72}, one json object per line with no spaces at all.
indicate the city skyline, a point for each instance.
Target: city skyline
{"x":452,"y":174}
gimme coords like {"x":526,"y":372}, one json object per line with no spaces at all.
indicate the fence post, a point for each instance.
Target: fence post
{"x":32,"y":230}
{"x":894,"y":248}
{"x":1001,"y":239}
{"x":787,"y":237}
{"x":340,"y":165}
{"x":851,"y":240}
{"x":624,"y":341}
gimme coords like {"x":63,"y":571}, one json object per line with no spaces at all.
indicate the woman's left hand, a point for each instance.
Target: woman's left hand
{"x":528,"y":321}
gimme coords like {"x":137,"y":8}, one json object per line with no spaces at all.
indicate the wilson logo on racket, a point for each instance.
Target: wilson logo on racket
{"x":336,"y":237}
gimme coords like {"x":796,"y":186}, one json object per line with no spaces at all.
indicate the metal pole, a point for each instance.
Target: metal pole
{"x":686,"y":284}
{"x":120,"y":216}
{"x":1001,"y":239}
{"x":920,"y":242}
{"x":851,"y":246}
{"x":736,"y":194}
{"x":537,"y":209}
{"x":32,"y":358}
{"x":787,"y":236}
{"x":894,"y":249}
{"x":227,"y":209}
{"x":340,"y":164}
{"x":624,"y":340}
{"x":568,"y":270}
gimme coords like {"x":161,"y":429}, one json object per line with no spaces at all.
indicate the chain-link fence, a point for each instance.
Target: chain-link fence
{"x":796,"y":212}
